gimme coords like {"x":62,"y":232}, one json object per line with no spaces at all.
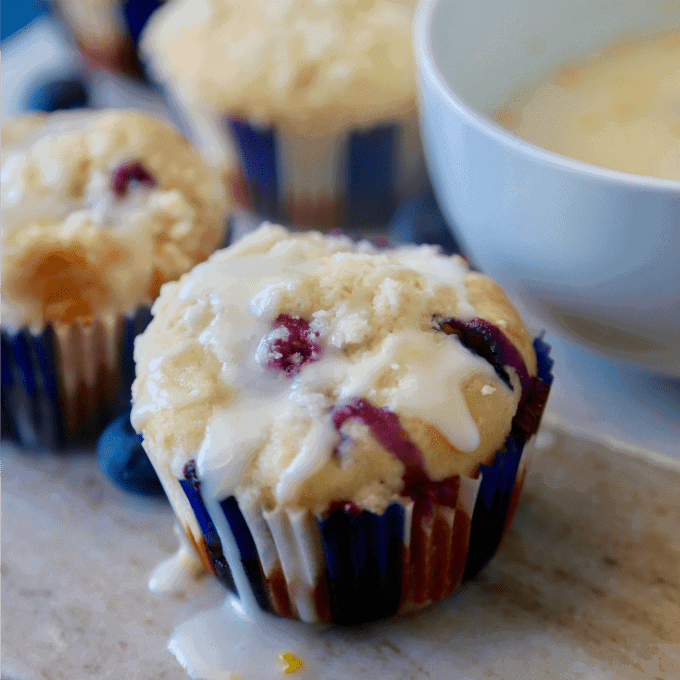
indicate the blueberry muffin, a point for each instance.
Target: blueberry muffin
{"x":99,"y":209}
{"x":338,"y":428}
{"x":313,"y":104}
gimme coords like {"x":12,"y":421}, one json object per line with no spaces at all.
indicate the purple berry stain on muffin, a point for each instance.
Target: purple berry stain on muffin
{"x":490,"y":343}
{"x":129,"y":173}
{"x":478,"y":339}
{"x":531,"y":407}
{"x":386,"y":428}
{"x":299,"y":346}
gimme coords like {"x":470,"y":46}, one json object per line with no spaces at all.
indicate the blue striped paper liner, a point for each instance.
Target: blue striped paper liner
{"x":212,"y":540}
{"x":365,"y":191}
{"x":364,"y":562}
{"x":371,"y":175}
{"x":258,"y":159}
{"x":242,"y":535}
{"x":544,"y":361}
{"x":137,"y":13}
{"x":363,"y":554}
{"x":31,"y":407}
{"x":247,"y":549}
{"x":33,"y":410}
{"x":363,"y":557}
{"x":7,"y":425}
{"x":497,"y":484}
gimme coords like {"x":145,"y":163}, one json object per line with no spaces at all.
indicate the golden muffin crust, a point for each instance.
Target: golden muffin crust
{"x":252,"y":357}
{"x":311,"y":67}
{"x":99,"y":209}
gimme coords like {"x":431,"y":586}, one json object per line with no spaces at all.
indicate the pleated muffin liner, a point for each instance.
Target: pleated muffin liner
{"x":353,"y":179}
{"x":63,"y":383}
{"x":349,"y":566}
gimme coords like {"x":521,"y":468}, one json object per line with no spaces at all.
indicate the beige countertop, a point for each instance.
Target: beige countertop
{"x":586,"y":584}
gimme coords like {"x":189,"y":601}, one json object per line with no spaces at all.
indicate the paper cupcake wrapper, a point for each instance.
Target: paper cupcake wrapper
{"x":137,"y":13}
{"x":351,"y":569}
{"x":352,"y":179}
{"x":356,"y":177}
{"x":342,"y":568}
{"x":62,"y":385}
{"x":348,"y":567}
{"x":502,"y":483}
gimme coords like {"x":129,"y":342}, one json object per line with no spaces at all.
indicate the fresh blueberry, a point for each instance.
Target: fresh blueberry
{"x":124,"y":461}
{"x":55,"y":95}
{"x":420,"y":221}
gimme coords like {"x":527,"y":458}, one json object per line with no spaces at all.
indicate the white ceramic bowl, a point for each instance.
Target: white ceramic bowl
{"x":591,"y":252}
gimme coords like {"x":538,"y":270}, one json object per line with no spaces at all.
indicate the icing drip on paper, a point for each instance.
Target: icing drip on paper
{"x":173,"y":574}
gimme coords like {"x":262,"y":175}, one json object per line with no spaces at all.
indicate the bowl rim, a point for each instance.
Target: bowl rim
{"x":428,"y":69}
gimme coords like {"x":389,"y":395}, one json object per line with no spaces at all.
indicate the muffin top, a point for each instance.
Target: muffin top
{"x":311,"y":66}
{"x":305,"y":370}
{"x":99,"y":209}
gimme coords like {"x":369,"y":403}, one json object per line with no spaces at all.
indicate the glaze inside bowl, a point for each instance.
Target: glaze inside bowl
{"x":617,"y":108}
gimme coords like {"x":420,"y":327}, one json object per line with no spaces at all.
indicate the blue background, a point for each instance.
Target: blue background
{"x":16,"y":14}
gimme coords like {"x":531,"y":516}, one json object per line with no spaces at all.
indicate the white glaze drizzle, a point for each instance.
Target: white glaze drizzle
{"x":445,"y":270}
{"x":174,"y":573}
{"x":211,"y":493}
